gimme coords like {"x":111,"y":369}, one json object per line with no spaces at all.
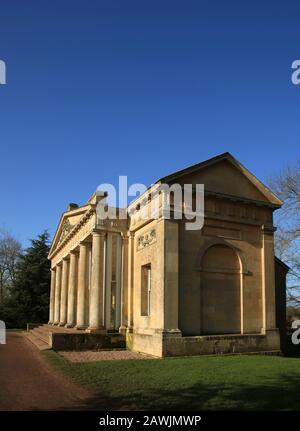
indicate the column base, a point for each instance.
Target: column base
{"x":122,"y":330}
{"x":69,"y":325}
{"x":96,"y":330}
{"x":62,"y":324}
{"x":55,"y":323}
{"x":81,"y":327}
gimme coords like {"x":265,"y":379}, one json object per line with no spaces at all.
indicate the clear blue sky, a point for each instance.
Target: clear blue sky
{"x":98,"y":89}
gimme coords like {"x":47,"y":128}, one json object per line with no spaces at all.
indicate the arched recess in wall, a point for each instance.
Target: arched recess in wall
{"x":220,"y":285}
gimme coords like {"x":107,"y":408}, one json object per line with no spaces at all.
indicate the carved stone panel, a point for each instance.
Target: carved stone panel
{"x":66,"y":228}
{"x":146,"y":239}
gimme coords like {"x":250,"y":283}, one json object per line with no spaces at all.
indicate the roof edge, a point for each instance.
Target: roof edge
{"x":229,"y":157}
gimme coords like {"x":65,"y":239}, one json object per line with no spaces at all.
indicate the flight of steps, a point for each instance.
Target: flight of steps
{"x":39,"y":336}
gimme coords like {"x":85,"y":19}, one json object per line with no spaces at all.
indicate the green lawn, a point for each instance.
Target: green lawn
{"x":228,"y":382}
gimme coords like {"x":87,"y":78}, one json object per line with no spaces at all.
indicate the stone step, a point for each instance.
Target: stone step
{"x":58,"y":329}
{"x":44,"y":333}
{"x":50,"y":328}
{"x":41,"y":334}
{"x":37,"y":342}
{"x":43,"y":330}
{"x":62,"y":329}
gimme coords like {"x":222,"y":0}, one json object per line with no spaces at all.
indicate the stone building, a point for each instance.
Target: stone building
{"x":169,"y":290}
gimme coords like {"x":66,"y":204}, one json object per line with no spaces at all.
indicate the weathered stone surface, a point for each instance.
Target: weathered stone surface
{"x":209,"y":291}
{"x":66,"y":341}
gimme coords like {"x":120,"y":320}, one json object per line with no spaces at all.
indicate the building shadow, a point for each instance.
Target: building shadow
{"x":280,"y":394}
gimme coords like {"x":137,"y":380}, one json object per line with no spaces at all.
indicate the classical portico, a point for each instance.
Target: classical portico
{"x":169,"y":290}
{"x":86,"y":271}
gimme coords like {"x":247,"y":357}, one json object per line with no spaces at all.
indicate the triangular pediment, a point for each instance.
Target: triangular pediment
{"x":65,"y":229}
{"x":225,"y":175}
{"x":67,"y":222}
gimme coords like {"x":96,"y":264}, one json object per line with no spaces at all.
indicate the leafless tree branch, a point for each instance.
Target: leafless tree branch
{"x":10,"y":250}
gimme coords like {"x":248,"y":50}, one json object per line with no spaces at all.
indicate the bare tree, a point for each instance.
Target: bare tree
{"x":10,"y":250}
{"x":287,"y":238}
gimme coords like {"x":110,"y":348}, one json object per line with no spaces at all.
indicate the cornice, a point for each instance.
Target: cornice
{"x":235,"y":198}
{"x":86,"y":216}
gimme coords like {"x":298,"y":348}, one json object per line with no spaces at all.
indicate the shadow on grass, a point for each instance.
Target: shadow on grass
{"x":247,"y":384}
{"x":280,"y":395}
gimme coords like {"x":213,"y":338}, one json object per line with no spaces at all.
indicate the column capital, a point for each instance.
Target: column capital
{"x":84,"y":243}
{"x":98,"y":232}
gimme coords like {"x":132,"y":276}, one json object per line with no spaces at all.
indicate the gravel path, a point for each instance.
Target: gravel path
{"x":89,"y":356}
{"x":29,"y":382}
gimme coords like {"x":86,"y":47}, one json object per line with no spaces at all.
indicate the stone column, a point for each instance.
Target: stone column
{"x":124,"y":286}
{"x":97,"y":283}
{"x":72,"y":293}
{"x":108,"y":273}
{"x":118,"y":306}
{"x":130,"y":280}
{"x":52,"y":296}
{"x":57,"y":295}
{"x":82,"y":287}
{"x":64,"y":293}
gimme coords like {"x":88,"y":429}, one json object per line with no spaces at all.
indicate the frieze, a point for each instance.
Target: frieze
{"x":146,"y":239}
{"x":66,"y":228}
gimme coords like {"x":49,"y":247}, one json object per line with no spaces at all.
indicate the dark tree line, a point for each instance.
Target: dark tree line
{"x":26,"y":297}
{"x":10,"y":250}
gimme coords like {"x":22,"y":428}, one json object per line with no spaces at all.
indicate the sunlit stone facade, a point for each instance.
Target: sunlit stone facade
{"x":169,"y":290}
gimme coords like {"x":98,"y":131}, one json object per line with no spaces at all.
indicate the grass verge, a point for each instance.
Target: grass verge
{"x":194,"y":383}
